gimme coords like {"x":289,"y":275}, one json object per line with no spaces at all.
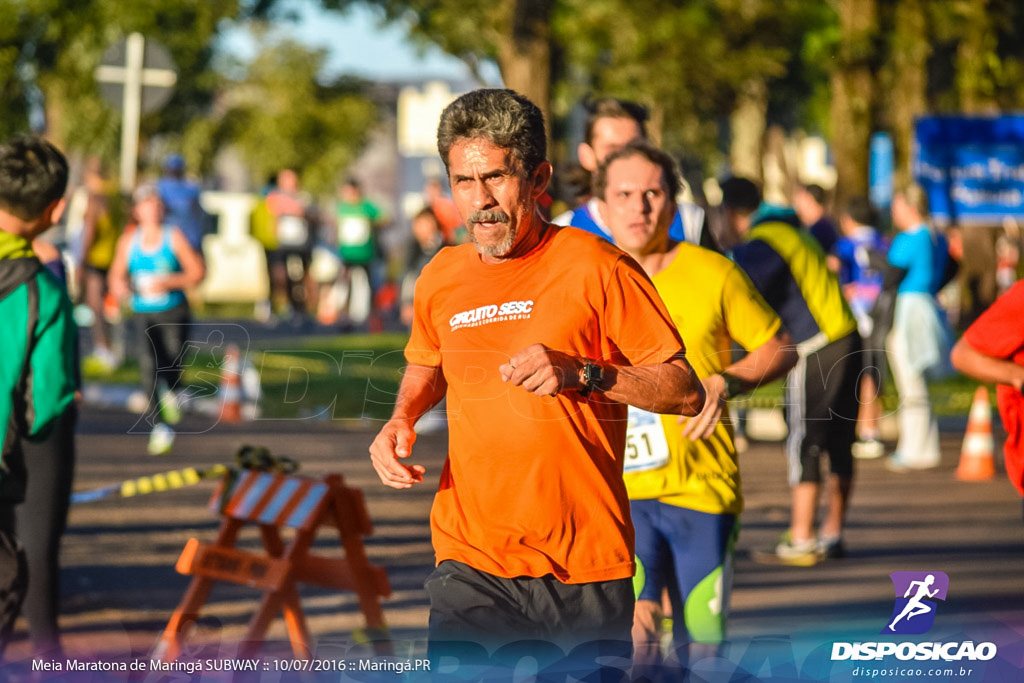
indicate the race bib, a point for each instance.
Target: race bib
{"x":646,"y":445}
{"x":292,"y":231}
{"x":354,"y":231}
{"x":146,"y":292}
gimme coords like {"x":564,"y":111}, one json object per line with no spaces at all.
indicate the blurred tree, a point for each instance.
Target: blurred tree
{"x":280,"y":116}
{"x":277,"y":112}
{"x":659,"y":53}
{"x":706,"y":68}
{"x":515,"y":34}
{"x":61,"y":42}
{"x":975,"y":66}
{"x":715,"y":73}
{"x":946,"y":56}
{"x":853,"y":94}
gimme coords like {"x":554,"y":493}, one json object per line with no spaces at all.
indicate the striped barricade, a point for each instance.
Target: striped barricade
{"x":274,"y":501}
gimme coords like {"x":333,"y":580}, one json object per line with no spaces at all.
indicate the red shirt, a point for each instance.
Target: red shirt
{"x":999,"y":332}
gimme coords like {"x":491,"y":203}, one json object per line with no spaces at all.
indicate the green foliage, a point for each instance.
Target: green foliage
{"x":279,"y":116}
{"x":349,"y":377}
{"x":470,"y":31}
{"x":63,"y":41}
{"x":343,"y":378}
{"x":688,"y":60}
{"x":277,"y":113}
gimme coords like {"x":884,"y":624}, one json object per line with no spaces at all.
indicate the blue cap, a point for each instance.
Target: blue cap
{"x":174,"y":162}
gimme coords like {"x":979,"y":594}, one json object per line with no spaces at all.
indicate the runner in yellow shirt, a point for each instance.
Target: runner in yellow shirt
{"x":682,"y":475}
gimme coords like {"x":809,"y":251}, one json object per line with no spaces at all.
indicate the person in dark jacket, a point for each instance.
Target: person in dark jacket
{"x":37,"y":341}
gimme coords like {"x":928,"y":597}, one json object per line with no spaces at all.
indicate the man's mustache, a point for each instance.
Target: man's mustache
{"x":490,"y":216}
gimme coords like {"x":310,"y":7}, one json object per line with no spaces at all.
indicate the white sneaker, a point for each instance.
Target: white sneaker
{"x":161,"y":439}
{"x":799,"y":553}
{"x":869,"y":449}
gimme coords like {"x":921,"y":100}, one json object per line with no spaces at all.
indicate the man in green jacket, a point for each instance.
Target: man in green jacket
{"x":37,"y":339}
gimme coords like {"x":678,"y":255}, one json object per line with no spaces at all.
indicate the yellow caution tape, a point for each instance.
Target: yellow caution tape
{"x":247,"y":458}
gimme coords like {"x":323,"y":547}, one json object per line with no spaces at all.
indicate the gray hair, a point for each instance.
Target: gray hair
{"x":503,"y":117}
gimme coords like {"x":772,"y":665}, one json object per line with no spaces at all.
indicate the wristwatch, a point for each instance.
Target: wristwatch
{"x":733,"y":386}
{"x":591,"y":377}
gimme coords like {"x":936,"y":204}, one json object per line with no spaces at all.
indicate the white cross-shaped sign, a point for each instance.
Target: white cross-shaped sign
{"x":133,"y":76}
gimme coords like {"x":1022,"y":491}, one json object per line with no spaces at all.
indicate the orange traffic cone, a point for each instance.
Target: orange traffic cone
{"x":230,"y":386}
{"x":977,"y":462}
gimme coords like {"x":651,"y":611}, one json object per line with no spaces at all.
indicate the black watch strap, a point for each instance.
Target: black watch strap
{"x":733,"y":386}
{"x":591,"y":377}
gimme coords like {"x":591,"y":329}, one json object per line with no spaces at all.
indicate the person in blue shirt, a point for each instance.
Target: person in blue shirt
{"x":180,"y":197}
{"x":859,"y":258}
{"x":919,"y":343}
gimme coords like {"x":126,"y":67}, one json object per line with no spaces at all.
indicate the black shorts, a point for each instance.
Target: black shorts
{"x":486,"y":620}
{"x":875,"y":366}
{"x":821,"y":410}
{"x":280,"y":256}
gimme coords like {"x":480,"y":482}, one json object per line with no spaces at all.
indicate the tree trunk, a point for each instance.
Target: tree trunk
{"x":53,"y":109}
{"x":908,"y":80}
{"x":747,"y":123}
{"x":977,"y":46}
{"x":853,"y":95}
{"x":524,"y":54}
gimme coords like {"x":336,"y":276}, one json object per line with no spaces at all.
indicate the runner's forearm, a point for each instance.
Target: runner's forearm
{"x":421,"y":389}
{"x":667,"y":388}
{"x":985,"y":368}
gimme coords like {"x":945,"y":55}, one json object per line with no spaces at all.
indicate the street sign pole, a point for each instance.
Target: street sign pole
{"x":132,"y":75}
{"x":131,"y":110}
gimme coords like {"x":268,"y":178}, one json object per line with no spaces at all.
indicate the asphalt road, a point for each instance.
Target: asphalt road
{"x":120,"y":586}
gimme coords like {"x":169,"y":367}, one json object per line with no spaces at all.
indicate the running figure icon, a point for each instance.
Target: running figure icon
{"x":915,"y":606}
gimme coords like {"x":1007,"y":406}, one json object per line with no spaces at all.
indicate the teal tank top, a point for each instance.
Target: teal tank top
{"x":144,"y":265}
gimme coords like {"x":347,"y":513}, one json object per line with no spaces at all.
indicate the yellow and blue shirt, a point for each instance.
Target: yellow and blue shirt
{"x":788,"y":268}
{"x":712,"y":302}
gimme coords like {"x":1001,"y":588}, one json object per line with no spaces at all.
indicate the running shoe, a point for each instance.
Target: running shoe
{"x":800,"y":554}
{"x":868,"y":449}
{"x":161,"y":439}
{"x":170,"y":406}
{"x":897,"y":464}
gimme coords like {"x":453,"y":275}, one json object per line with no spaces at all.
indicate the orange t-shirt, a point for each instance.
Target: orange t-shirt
{"x":533,"y":485}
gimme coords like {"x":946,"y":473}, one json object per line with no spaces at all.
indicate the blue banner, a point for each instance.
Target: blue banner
{"x":972,"y":167}
{"x":880,"y":170}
